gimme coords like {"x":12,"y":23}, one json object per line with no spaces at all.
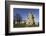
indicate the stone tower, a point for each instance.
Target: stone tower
{"x":30,"y":19}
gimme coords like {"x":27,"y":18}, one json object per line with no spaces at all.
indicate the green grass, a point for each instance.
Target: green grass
{"x":24,"y":25}
{"x":19,"y":25}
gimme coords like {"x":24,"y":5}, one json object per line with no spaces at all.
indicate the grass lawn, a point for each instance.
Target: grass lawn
{"x":19,"y":25}
{"x":24,"y":25}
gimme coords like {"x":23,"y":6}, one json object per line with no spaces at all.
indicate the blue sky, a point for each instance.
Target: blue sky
{"x":23,"y":12}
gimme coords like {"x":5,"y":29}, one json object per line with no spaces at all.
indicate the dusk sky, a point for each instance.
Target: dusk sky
{"x":23,"y":12}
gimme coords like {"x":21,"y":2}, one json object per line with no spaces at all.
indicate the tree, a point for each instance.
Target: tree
{"x":18,"y":18}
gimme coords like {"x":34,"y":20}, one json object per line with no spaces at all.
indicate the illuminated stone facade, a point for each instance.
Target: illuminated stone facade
{"x":30,"y":19}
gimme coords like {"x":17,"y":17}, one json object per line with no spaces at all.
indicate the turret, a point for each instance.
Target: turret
{"x":30,"y":19}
